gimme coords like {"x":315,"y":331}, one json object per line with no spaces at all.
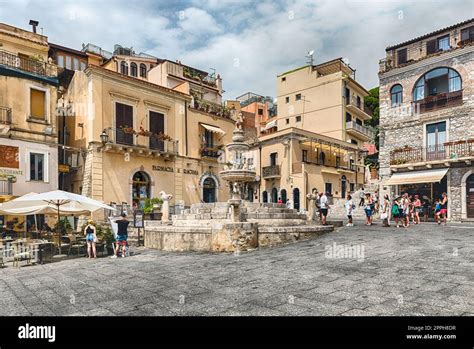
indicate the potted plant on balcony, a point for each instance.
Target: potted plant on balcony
{"x":152,"y":208}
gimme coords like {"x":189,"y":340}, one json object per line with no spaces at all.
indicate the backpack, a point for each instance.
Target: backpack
{"x":395,"y":210}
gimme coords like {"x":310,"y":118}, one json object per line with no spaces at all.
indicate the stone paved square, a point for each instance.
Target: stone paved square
{"x":423,"y":270}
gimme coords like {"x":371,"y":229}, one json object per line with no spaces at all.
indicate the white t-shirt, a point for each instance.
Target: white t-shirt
{"x":349,"y":207}
{"x":323,"y":201}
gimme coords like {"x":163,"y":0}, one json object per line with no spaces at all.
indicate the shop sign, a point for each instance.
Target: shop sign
{"x":10,"y":171}
{"x":63,"y":168}
{"x":162,"y":168}
{"x":191,"y":172}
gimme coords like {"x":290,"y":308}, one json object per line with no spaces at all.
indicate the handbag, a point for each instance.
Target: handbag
{"x":384,"y":216}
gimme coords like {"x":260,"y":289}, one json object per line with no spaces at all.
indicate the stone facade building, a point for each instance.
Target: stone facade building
{"x":427,"y":118}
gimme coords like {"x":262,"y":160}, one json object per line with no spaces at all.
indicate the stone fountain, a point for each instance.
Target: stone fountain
{"x":235,"y":225}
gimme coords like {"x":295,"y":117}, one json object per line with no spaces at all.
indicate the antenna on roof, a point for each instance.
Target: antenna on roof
{"x":310,"y":57}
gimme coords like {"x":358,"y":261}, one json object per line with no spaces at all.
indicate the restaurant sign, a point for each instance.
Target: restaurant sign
{"x":11,"y":171}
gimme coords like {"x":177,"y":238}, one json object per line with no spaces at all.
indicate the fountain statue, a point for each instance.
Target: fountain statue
{"x":166,"y":206}
{"x":238,"y":224}
{"x":238,"y":174}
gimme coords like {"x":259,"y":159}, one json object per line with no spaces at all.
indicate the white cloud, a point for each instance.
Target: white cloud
{"x":264,"y":37}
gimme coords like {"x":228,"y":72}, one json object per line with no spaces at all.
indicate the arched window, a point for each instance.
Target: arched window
{"x":436,"y":81}
{"x":396,"y":95}
{"x":265,"y":196}
{"x":143,"y":70}
{"x":133,"y":69}
{"x":124,"y":68}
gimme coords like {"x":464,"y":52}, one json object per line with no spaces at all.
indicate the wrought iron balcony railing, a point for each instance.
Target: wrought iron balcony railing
{"x":450,"y":151}
{"x":438,"y":101}
{"x":26,"y":64}
{"x":271,"y":171}
{"x":6,"y":187}
{"x":5,"y":115}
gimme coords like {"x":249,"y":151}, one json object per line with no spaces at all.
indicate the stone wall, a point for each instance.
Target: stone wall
{"x":404,"y":126}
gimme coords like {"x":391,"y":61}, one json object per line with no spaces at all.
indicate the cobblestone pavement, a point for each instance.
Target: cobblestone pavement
{"x":423,"y":270}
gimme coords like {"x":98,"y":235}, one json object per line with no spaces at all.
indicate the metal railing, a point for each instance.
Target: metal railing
{"x":29,"y":65}
{"x":271,"y":171}
{"x":210,"y":152}
{"x":211,"y":108}
{"x":5,"y":115}
{"x":447,"y":151}
{"x":6,"y":187}
{"x":438,"y":101}
{"x":359,"y":104}
{"x":351,"y":125}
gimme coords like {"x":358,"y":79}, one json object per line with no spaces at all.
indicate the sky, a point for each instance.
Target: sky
{"x":247,"y":42}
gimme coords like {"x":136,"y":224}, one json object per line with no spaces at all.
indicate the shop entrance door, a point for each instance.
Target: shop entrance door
{"x":470,"y":196}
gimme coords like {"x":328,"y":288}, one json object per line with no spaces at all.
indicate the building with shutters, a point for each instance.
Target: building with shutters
{"x":28,"y":132}
{"x":426,"y":118}
{"x":139,"y":135}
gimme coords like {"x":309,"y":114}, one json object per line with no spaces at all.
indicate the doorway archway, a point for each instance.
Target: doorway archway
{"x":283,"y":196}
{"x":296,"y":199}
{"x":343,"y":186}
{"x":265,"y":197}
{"x":274,"y":195}
{"x":141,"y":188}
{"x":209,"y":187}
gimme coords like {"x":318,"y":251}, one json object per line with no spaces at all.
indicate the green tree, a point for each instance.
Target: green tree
{"x":372,"y":101}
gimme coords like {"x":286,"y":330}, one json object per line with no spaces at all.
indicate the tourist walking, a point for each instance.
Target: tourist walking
{"x":91,"y":239}
{"x":443,"y":212}
{"x":362,"y":197}
{"x":417,"y":209}
{"x":406,"y":210}
{"x":396,"y":212}
{"x":384,"y":211}
{"x":368,"y":208}
{"x":122,"y":235}
{"x":323,"y":207}
{"x":349,"y":208}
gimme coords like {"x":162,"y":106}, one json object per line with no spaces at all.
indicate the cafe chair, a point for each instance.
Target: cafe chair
{"x":20,"y":254}
{"x":74,"y":244}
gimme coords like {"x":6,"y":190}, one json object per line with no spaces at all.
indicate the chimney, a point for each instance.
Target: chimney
{"x":34,"y":24}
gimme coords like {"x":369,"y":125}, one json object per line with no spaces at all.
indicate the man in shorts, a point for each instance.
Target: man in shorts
{"x":122,"y":235}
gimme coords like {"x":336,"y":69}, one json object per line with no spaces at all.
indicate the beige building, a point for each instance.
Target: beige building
{"x":137,"y":138}
{"x":28,"y":132}
{"x":316,"y":140}
{"x":324,"y":99}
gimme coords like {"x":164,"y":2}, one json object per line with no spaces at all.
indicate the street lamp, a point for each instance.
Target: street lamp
{"x":104,"y":136}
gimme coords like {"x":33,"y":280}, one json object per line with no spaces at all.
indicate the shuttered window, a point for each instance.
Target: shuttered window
{"x":37,"y":104}
{"x":157,"y":126}
{"x":467,"y":34}
{"x":431,"y":47}
{"x":402,"y":56}
{"x":123,"y":119}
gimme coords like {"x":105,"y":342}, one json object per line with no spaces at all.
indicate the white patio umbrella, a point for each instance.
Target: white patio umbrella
{"x":53,"y":202}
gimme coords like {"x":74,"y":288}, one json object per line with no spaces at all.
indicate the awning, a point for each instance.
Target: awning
{"x":214,"y":129}
{"x":429,"y":176}
{"x":330,"y":171}
{"x":270,"y":125}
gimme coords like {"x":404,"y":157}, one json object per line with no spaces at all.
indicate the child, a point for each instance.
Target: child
{"x":437,"y":211}
{"x":349,"y":208}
